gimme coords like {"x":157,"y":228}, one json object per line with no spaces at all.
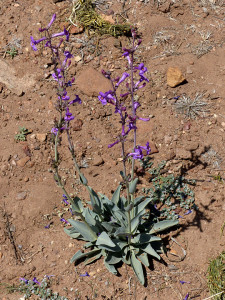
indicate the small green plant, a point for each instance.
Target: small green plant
{"x":12,"y":52}
{"x":216,"y":277}
{"x":33,"y":287}
{"x":170,"y":193}
{"x":22,"y":135}
{"x":41,"y":289}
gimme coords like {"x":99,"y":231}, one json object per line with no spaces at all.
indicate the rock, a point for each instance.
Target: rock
{"x":14,"y":83}
{"x":97,"y":160}
{"x":181,"y":153}
{"x":77,"y":125}
{"x":108,"y":18}
{"x":189,"y":70}
{"x":153,"y":147}
{"x":21,"y":196}
{"x":41,"y":137}
{"x":174,"y":77}
{"x":76,"y":29}
{"x":170,"y":155}
{"x":26,"y":179}
{"x":77,"y":58}
{"x":22,"y":162}
{"x":91,"y":82}
{"x":167,"y":139}
{"x":191,"y":146}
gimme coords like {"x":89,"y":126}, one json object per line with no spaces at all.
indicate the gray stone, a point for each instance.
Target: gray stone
{"x":21,"y":196}
{"x":13,"y":82}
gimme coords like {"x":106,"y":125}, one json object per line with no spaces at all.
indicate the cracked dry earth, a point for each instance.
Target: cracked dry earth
{"x":185,"y":35}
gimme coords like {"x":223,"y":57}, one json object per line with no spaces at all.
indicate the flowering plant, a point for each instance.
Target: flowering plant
{"x":120,"y":229}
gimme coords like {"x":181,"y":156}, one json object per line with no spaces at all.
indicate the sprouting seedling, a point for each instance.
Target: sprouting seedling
{"x":22,"y":135}
{"x":12,"y":52}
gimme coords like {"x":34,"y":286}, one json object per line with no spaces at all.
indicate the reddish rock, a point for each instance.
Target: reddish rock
{"x":174,"y":77}
{"x":77,"y":125}
{"x":183,"y":154}
{"x":91,"y":82}
{"x":22,"y":162}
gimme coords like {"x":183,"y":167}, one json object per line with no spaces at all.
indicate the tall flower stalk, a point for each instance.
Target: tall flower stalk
{"x":128,"y":118}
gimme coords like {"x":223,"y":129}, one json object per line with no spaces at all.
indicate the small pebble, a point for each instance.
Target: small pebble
{"x":21,"y":196}
{"x":26,"y":179}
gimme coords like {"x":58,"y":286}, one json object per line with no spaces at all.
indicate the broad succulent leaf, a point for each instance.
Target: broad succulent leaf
{"x":132,"y":186}
{"x":92,"y":259}
{"x":73,"y":233}
{"x":79,"y":255}
{"x":138,"y":200}
{"x":83,"y":179}
{"x":163,"y":225}
{"x":144,"y":258}
{"x":77,"y":205}
{"x":95,"y":201}
{"x":148,"y":249}
{"x":108,"y":226}
{"x":105,"y":239}
{"x":136,"y":220}
{"x":142,"y":205}
{"x":116,"y":195}
{"x":144,"y":238}
{"x":111,"y":268}
{"x":122,"y":231}
{"x":137,"y":267}
{"x":112,"y":258}
{"x":105,"y":242}
{"x":87,"y":233}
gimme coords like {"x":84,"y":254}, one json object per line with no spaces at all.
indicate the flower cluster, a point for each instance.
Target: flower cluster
{"x":128,"y":118}
{"x":59,"y":72}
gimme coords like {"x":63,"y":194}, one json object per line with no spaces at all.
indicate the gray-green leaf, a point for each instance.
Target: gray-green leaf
{"x":137,"y":267}
{"x":87,"y":233}
{"x":163,"y":225}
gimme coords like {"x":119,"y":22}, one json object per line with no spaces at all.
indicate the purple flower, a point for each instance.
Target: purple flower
{"x":64,"y":96}
{"x":77,"y":99}
{"x":64,"y":221}
{"x":54,"y":130}
{"x":113,"y":144}
{"x":186,"y":297}
{"x":69,"y":117}
{"x":123,"y":77}
{"x":188,"y":212}
{"x":65,"y":199}
{"x":35,"y":281}
{"x":127,"y":55}
{"x":85,"y":274}
{"x":107,"y":97}
{"x":64,"y":32}
{"x":183,"y":282}
{"x":67,"y":56}
{"x":49,"y":25}
{"x":144,"y":119}
{"x":34,"y":42}
{"x":138,"y":151}
{"x":58,"y":76}
{"x":24,"y":280}
{"x":48,"y":226}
